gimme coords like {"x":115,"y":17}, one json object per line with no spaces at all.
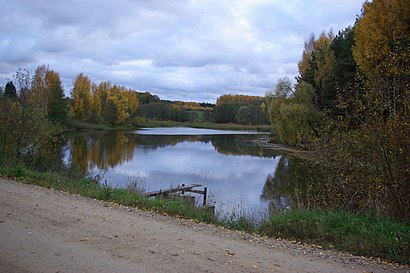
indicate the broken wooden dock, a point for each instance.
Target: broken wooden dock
{"x":183,"y":188}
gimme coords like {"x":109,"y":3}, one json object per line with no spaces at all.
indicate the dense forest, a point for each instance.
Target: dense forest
{"x":350,"y":105}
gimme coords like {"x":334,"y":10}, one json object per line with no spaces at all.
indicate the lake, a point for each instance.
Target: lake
{"x":242,"y":178}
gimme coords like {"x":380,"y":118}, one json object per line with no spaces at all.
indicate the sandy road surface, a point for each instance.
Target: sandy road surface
{"x":43,"y":230}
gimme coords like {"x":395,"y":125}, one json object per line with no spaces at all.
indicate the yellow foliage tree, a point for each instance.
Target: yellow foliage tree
{"x":304,"y":63}
{"x":132,"y":102}
{"x":117,"y":102}
{"x":56,"y":106}
{"x":81,"y":107}
{"x":382,"y":53}
{"x":39,"y":96}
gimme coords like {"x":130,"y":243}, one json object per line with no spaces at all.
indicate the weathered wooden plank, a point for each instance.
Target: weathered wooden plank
{"x":205,"y":194}
{"x":195,"y":191}
{"x":171,"y":190}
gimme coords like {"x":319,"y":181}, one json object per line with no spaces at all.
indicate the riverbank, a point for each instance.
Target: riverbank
{"x":45,"y":230}
{"x":362,"y":235}
{"x":79,"y":125}
{"x":208,"y":125}
{"x":267,"y":143}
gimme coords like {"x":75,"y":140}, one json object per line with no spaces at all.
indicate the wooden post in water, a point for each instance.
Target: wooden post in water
{"x":205,"y":193}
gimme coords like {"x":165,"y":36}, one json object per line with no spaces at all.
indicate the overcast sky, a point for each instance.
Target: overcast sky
{"x":178,"y":49}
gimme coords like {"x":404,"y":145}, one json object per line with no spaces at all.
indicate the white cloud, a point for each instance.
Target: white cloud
{"x":197,"y":49}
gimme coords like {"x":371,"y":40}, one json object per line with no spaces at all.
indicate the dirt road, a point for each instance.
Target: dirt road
{"x":43,"y":230}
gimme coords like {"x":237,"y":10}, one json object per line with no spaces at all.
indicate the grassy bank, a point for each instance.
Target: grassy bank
{"x":72,"y":182}
{"x":357,"y":234}
{"x":80,"y":125}
{"x":207,"y":125}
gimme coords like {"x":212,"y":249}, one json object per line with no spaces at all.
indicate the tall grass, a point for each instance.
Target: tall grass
{"x":358,"y":234}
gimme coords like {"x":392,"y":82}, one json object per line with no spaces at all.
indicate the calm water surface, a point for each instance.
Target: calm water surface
{"x":241,"y":177}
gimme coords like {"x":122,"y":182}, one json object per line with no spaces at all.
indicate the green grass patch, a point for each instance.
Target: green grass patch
{"x":357,"y":234}
{"x":241,"y":223}
{"x":140,"y":123}
{"x":81,"y":125}
{"x":206,"y":125}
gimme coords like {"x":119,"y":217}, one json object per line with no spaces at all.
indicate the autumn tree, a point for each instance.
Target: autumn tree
{"x":39,"y":97}
{"x":325,"y":60}
{"x":293,"y":113}
{"x":81,"y":94}
{"x":283,"y":90}
{"x":243,"y":115}
{"x":176,"y":113}
{"x":116,"y":103}
{"x":382,"y":53}
{"x":304,"y":65}
{"x":132,"y":102}
{"x":316,"y":68}
{"x":101,"y":92}
{"x":23,"y":129}
{"x":95,"y":116}
{"x":56,"y":105}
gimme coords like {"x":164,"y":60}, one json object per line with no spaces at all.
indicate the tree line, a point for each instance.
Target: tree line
{"x":241,"y":109}
{"x":102,"y":103}
{"x":117,"y":105}
{"x":351,"y":104}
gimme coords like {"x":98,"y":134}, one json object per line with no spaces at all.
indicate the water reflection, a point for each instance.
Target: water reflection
{"x":241,"y":177}
{"x":185,"y":131}
{"x":101,"y":150}
{"x":286,"y":188}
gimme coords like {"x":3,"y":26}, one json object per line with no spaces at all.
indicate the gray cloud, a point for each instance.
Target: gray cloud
{"x":196,"y":50}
